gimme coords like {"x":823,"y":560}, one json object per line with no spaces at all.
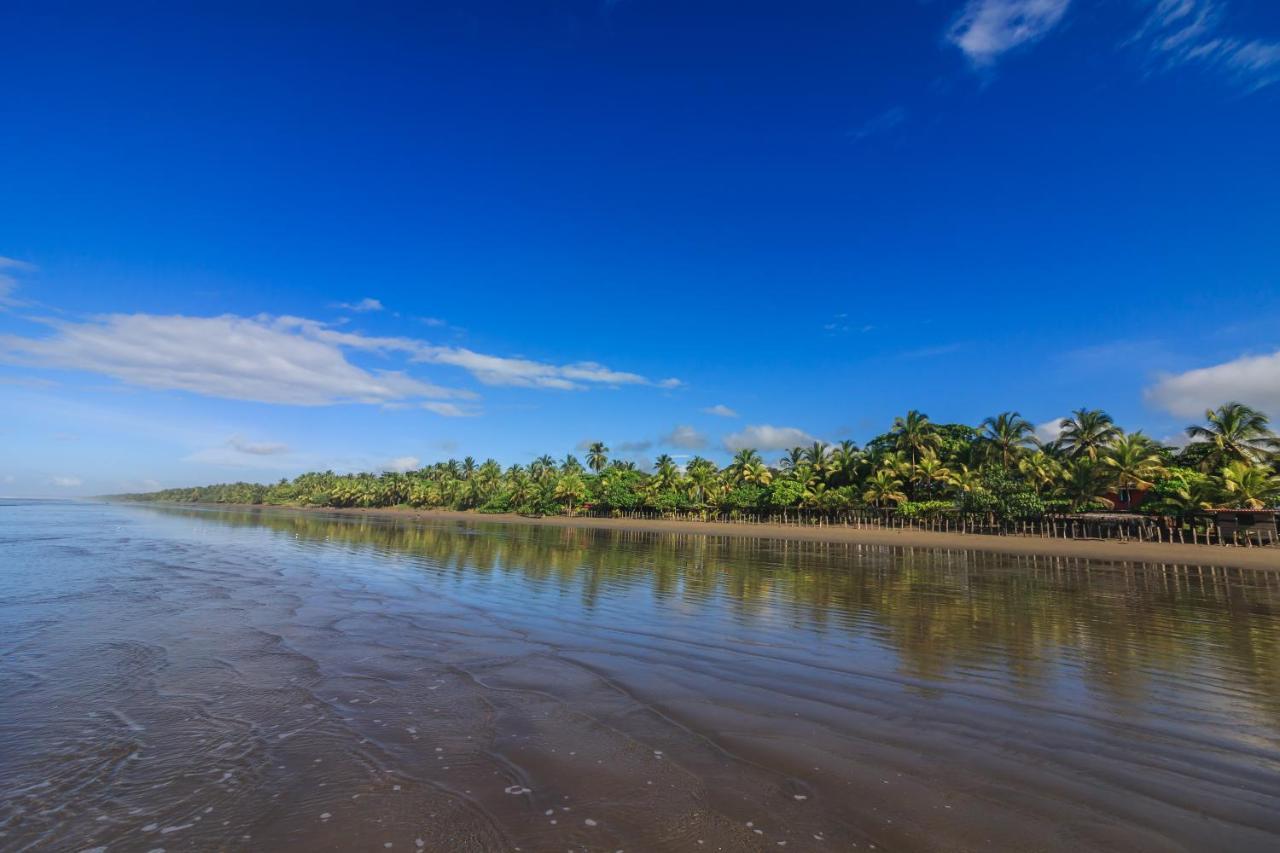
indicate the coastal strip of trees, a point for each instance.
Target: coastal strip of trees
{"x":995,"y":477}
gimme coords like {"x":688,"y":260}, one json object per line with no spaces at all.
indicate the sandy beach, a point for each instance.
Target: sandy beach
{"x":1105,"y":551}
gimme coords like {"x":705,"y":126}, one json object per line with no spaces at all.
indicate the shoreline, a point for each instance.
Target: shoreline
{"x":1218,"y":556}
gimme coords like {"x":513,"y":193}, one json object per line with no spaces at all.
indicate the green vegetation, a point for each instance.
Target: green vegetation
{"x":917,"y":469}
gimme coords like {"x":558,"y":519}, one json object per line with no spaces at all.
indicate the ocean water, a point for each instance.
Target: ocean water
{"x":193,"y":679}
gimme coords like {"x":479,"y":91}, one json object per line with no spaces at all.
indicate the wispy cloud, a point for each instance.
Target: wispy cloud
{"x":1254,"y":380}
{"x":934,"y":351}
{"x":364,"y":306}
{"x":766,"y":437}
{"x":720,"y":410}
{"x":256,"y":448}
{"x":987,"y":29}
{"x":1190,"y":32}
{"x":882,"y":123}
{"x":238,"y":358}
{"x":450,"y":410}
{"x":289,"y":360}
{"x":8,"y":283}
{"x":66,"y":482}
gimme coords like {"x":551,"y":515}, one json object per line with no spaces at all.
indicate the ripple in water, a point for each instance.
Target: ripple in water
{"x":195,"y":680}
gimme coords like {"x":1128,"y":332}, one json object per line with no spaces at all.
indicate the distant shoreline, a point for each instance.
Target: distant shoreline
{"x":1109,"y":551}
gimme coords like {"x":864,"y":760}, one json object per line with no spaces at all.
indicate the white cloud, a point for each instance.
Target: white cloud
{"x":1050,"y":430}
{"x":401,"y":464}
{"x":238,"y":358}
{"x":985,"y":29}
{"x":8,"y":478}
{"x":766,"y":437}
{"x":1184,"y":32}
{"x":67,"y":482}
{"x":448,"y":410}
{"x":363,"y":306}
{"x":720,"y":410}
{"x":685,"y":437}
{"x":526,"y":373}
{"x":9,"y":284}
{"x":1253,"y":380}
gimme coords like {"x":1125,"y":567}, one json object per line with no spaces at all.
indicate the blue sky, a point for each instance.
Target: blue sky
{"x":243,"y":243}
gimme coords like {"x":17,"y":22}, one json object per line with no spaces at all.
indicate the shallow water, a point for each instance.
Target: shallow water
{"x":207,"y":680}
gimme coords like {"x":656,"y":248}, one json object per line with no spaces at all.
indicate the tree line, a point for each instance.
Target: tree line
{"x":918,"y":468}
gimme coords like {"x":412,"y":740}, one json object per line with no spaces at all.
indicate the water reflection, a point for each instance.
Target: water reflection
{"x":944,"y":614}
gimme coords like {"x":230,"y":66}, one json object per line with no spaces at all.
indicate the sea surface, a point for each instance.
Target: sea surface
{"x":193,"y":679}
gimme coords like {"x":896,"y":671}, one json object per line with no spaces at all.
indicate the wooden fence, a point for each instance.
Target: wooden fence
{"x":1197,"y":530}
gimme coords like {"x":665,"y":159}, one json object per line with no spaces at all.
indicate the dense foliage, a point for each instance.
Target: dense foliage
{"x":918,"y":468}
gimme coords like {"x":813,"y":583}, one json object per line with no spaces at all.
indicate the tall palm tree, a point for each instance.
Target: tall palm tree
{"x":793,"y":460}
{"x":913,"y":434}
{"x":1006,"y":436}
{"x":816,"y":457}
{"x":742,"y":462}
{"x":846,"y":459}
{"x":1134,"y":460}
{"x":666,"y":472}
{"x":1237,"y":432}
{"x":1086,"y":433}
{"x":570,"y":465}
{"x":1250,"y":486}
{"x":597,"y":456}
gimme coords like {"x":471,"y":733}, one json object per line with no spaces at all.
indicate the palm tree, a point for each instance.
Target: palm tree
{"x":666,"y":472}
{"x":1135,"y":461}
{"x":966,"y":479}
{"x":845,"y":461}
{"x":1237,"y":432}
{"x":704,"y":479}
{"x":793,"y":460}
{"x":931,"y":471}
{"x":742,"y":461}
{"x":913,"y":434}
{"x":570,"y":465}
{"x":816,"y":457}
{"x":597,"y":456}
{"x":882,"y":487}
{"x":1040,"y":469}
{"x":570,"y":488}
{"x":1085,"y":482}
{"x":1086,"y":433}
{"x":1006,"y":435}
{"x":1250,"y":486}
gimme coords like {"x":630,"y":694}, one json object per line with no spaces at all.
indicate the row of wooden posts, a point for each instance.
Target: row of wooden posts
{"x":1136,"y":529}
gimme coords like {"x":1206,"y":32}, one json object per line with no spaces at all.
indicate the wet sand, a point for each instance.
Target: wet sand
{"x":213,"y":679}
{"x":1110,"y":551}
